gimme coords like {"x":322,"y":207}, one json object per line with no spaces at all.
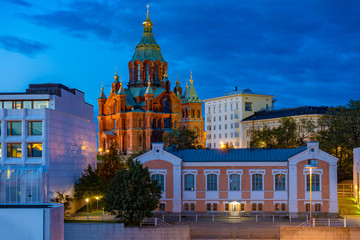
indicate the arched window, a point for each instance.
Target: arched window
{"x":156,"y":72}
{"x":198,"y":113}
{"x":257,"y":183}
{"x":138,"y":72}
{"x":212,"y":182}
{"x":196,"y":130}
{"x":315,"y":182}
{"x":280,"y":182}
{"x":159,"y":123}
{"x":160,"y":179}
{"x":154,"y":123}
{"x":147,"y":71}
{"x":114,"y":107}
{"x":167,"y":122}
{"x":189,"y":182}
{"x":166,"y":106}
{"x":139,"y":123}
{"x":192,"y":113}
{"x":140,"y":141}
{"x":234,"y":182}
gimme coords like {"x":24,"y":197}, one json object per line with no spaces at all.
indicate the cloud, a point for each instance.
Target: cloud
{"x":19,"y":2}
{"x":24,"y":46}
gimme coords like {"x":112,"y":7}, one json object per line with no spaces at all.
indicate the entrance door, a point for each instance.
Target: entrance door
{"x":234,"y":212}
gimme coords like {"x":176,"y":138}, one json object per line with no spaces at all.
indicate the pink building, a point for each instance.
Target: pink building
{"x":244,"y":181}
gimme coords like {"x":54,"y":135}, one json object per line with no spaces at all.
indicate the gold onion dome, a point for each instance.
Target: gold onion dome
{"x":147,"y":22}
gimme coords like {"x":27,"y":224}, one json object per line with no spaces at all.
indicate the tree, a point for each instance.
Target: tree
{"x":183,"y":138}
{"x":132,"y":194}
{"x":66,"y":200}
{"x":89,"y":185}
{"x":340,"y":133}
{"x":111,"y":163}
{"x":289,"y":134}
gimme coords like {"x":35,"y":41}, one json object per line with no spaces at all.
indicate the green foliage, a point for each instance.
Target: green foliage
{"x":183,"y":138}
{"x":132,"y":194}
{"x":111,"y":163}
{"x":289,"y":134}
{"x":66,"y":200}
{"x":89,"y":185}
{"x":340,"y":134}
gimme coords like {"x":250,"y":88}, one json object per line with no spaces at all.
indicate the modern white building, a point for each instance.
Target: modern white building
{"x":224,"y":115}
{"x":48,"y":137}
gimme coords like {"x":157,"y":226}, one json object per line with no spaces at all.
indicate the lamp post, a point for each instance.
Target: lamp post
{"x":312,"y":163}
{"x":87,"y":205}
{"x":97,"y":203}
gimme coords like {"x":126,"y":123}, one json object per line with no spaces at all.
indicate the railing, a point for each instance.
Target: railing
{"x":345,"y":190}
{"x":154,"y":222}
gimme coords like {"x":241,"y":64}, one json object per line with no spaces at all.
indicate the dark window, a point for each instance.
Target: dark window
{"x":253,"y":207}
{"x":192,"y":207}
{"x":214,"y":207}
{"x":162,"y":207}
{"x":34,"y":149}
{"x":167,"y":106}
{"x":280,"y":184}
{"x":226,"y":206}
{"x":248,"y":106}
{"x":277,"y":207}
{"x":160,"y":180}
{"x":317,"y":207}
{"x":242,"y":207}
{"x":167,"y":122}
{"x":283,"y":207}
{"x":189,"y":182}
{"x":212,"y":182}
{"x":307,"y":207}
{"x":208,"y":207}
{"x":315,"y":182}
{"x":34,"y":128}
{"x":234,"y":182}
{"x":14,"y":129}
{"x":186,"y":207}
{"x":257,"y":182}
{"x":260,"y":207}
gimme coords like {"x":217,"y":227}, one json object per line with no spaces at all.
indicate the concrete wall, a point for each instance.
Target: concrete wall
{"x":32,"y":223}
{"x":319,"y":233}
{"x":108,"y":231}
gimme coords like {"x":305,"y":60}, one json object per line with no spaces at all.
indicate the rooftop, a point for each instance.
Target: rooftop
{"x":45,"y":88}
{"x":287,"y":112}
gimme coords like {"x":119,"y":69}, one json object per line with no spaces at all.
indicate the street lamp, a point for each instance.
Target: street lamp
{"x":312,"y":163}
{"x":87,"y":205}
{"x":97,"y":203}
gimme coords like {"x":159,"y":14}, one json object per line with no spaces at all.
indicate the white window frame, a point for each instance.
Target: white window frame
{"x":234,"y":171}
{"x":257,"y":171}
{"x":189,"y":171}
{"x":212,"y":171}
{"x":161,"y":172}
{"x":314,"y":171}
{"x":280,"y":171}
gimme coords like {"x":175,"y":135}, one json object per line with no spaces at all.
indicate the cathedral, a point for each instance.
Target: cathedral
{"x":147,"y":109}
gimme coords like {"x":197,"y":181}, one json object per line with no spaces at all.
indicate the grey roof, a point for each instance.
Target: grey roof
{"x":287,"y":112}
{"x":236,"y":155}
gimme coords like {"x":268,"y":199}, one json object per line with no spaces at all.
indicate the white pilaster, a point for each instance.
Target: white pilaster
{"x":333,"y":203}
{"x":293,"y":189}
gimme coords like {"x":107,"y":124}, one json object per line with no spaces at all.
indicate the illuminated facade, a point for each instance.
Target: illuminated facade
{"x":47,"y":138}
{"x":244,"y":181}
{"x":143,"y":113}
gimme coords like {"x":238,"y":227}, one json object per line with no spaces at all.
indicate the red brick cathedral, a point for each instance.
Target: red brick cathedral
{"x":143,"y":113}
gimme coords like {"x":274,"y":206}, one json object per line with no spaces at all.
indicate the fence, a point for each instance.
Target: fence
{"x":345,"y":190}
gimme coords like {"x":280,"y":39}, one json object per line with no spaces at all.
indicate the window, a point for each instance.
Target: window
{"x":17,"y":104}
{"x":214,"y":145}
{"x":225,"y":126}
{"x":237,"y":106}
{"x":189,"y":182}
{"x":160,"y":180}
{"x":225,"y":135}
{"x":226,"y":207}
{"x":34,"y":149}
{"x":40,"y":104}
{"x":208,"y":207}
{"x":248,"y":106}
{"x":315,"y":182}
{"x":277,"y":207}
{"x":14,"y":129}
{"x":257,"y":182}
{"x":219,"y":127}
{"x":214,"y":136}
{"x":214,"y":207}
{"x":225,"y":117}
{"x":231,"y":126}
{"x":225,"y":110}
{"x":14,"y":150}
{"x":253,"y":207}
{"x":219,"y":118}
{"x":280,"y":182}
{"x":186,"y":207}
{"x":283,"y":207}
{"x":236,"y":125}
{"x":234,"y":182}
{"x":27,"y":104}
{"x":211,"y":182}
{"x":192,"y":207}
{"x":219,"y":135}
{"x":214,"y":120}
{"x":317,"y":207}
{"x":162,"y":207}
{"x":307,"y":207}
{"x":232,"y":134}
{"x":242,"y":207}
{"x":138,"y":72}
{"x":260,"y":207}
{"x":231,"y":116}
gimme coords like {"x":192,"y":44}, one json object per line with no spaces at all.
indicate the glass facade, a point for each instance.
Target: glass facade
{"x":21,"y":184}
{"x":29,"y":104}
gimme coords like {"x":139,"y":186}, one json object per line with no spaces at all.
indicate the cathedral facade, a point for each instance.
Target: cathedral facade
{"x":147,"y":109}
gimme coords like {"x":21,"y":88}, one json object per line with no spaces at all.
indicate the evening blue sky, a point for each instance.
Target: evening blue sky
{"x":303,"y":52}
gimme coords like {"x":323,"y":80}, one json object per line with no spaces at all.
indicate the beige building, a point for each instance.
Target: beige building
{"x":224,"y":116}
{"x":272,"y":120}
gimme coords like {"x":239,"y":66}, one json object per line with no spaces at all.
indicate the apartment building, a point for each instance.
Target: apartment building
{"x":47,"y":138}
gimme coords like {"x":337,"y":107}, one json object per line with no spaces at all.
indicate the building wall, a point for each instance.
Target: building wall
{"x":230,"y":110}
{"x":294,"y":197}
